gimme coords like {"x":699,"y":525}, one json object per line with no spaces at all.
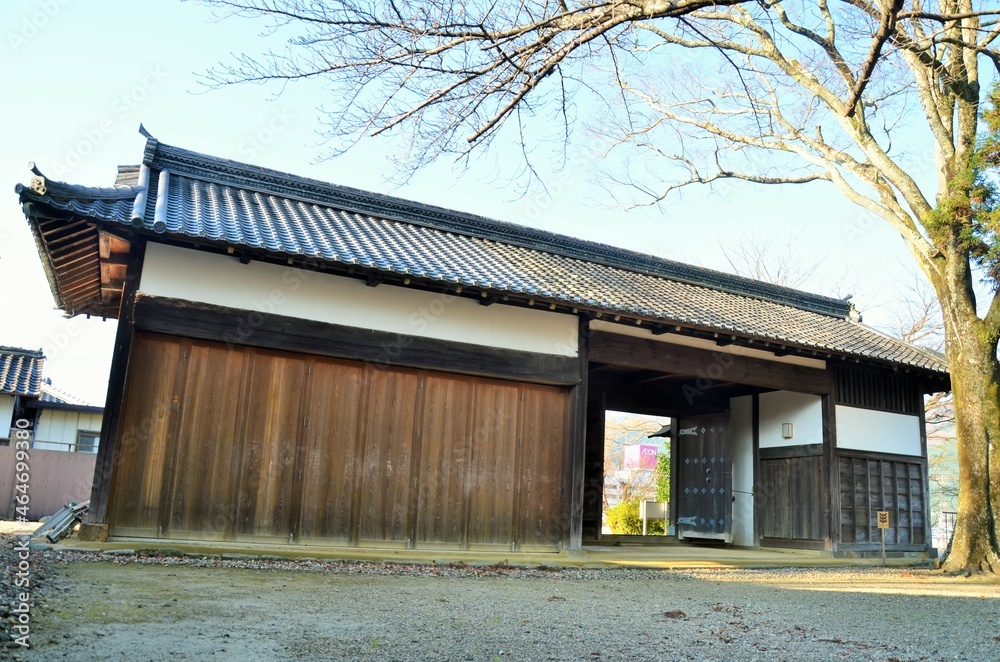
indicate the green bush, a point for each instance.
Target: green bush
{"x":623,"y":519}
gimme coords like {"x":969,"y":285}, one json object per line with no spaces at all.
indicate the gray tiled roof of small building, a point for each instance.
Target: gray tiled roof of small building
{"x":21,"y":371}
{"x":50,"y":393}
{"x":236,"y":204}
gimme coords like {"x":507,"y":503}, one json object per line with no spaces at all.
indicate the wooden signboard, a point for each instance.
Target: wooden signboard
{"x":883,"y":524}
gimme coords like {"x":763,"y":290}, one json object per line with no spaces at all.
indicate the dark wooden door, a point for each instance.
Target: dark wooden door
{"x":705,"y":478}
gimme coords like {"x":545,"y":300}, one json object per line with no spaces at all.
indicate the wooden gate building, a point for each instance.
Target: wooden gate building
{"x":304,"y":363}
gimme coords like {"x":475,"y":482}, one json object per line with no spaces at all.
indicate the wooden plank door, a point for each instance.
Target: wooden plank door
{"x":386,"y":487}
{"x":199,"y":497}
{"x":141,"y":455}
{"x":330,"y":461}
{"x":705,"y":478}
{"x":491,"y":482}
{"x":544,"y":424}
{"x":443,"y":460}
{"x":272,"y":422}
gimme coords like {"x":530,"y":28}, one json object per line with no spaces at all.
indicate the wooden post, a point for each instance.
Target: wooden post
{"x":883,"y":525}
{"x":116,"y":386}
{"x":577,"y":445}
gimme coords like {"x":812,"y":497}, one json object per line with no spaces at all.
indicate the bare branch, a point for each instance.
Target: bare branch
{"x":886,"y":28}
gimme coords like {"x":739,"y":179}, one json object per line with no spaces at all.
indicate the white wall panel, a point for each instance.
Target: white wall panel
{"x":57,"y":428}
{"x":742,"y":459}
{"x":877,"y":431}
{"x":6,"y":414}
{"x":803,"y":411}
{"x":193,"y":275}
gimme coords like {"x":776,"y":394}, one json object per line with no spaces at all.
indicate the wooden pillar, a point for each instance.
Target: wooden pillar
{"x":925,"y":478}
{"x":675,"y":429}
{"x":111,"y":424}
{"x":577,"y":446}
{"x":831,"y":474}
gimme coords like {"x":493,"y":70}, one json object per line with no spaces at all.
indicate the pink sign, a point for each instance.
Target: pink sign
{"x":640,"y":456}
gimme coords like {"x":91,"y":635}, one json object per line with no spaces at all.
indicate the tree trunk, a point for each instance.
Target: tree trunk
{"x":974,"y":369}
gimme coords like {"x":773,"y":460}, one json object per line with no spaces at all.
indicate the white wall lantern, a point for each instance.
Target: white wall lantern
{"x":787,"y":431}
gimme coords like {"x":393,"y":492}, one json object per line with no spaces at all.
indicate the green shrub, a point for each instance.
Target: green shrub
{"x":623,"y":519}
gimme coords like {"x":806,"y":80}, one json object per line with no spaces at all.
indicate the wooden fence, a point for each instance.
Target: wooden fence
{"x":55,"y":479}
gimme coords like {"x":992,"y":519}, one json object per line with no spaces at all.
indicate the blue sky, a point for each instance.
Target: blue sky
{"x":80,"y":77}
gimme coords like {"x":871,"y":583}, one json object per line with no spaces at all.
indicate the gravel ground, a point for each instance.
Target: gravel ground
{"x":154,"y":607}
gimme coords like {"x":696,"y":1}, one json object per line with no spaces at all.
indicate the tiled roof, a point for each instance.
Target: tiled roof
{"x":268,"y":212}
{"x":58,"y":396}
{"x":20,"y":371}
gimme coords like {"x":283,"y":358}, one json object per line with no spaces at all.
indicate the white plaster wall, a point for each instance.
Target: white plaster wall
{"x":59,"y":426}
{"x":877,"y":431}
{"x":181,"y":273}
{"x":6,"y":414}
{"x":700,"y":343}
{"x":803,"y":411}
{"x":742,"y":459}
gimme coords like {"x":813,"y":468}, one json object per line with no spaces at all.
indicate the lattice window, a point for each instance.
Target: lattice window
{"x":885,"y":391}
{"x":869,"y":485}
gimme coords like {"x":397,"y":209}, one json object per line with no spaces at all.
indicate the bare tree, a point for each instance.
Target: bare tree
{"x":776,"y":92}
{"x":760,"y":257}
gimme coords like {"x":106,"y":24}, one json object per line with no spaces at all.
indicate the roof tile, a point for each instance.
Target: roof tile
{"x":213,"y":199}
{"x":21,"y":371}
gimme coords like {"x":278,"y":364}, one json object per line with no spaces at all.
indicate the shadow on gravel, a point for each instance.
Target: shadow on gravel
{"x":162,"y":608}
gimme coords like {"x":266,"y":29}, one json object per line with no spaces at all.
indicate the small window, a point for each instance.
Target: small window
{"x":86,"y":442}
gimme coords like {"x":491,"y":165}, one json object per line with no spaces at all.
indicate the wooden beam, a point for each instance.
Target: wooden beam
{"x":707,"y":365}
{"x":780,"y":452}
{"x":116,"y":389}
{"x":115,"y":260}
{"x":244,"y":327}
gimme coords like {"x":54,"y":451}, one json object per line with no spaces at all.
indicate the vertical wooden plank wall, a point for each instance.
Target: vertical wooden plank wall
{"x":261,"y":445}
{"x":136,"y":494}
{"x":330,"y":471}
{"x":201,"y":484}
{"x":271,"y":423}
{"x":387,"y":446}
{"x":544,"y":416}
{"x":492,"y":476}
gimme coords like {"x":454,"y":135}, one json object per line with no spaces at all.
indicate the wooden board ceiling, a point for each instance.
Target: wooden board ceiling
{"x":86,"y":266}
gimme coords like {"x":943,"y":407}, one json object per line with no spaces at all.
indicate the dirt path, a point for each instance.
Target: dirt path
{"x":168,"y":610}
